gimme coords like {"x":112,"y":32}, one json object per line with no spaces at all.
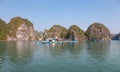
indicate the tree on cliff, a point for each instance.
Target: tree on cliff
{"x":74,"y":32}
{"x":3,"y":30}
{"x":98,"y":31}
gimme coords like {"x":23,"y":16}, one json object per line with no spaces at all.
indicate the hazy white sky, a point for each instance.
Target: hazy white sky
{"x":45,"y":13}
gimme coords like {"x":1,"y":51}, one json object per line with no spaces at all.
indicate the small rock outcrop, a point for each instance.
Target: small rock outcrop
{"x":20,"y":29}
{"x":98,"y":31}
{"x":75,"y":33}
{"x":117,"y":37}
{"x":38,"y":35}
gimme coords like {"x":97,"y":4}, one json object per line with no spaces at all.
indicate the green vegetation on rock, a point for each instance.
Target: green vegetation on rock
{"x":95,"y":31}
{"x":3,"y":30}
{"x":76,"y":33}
{"x":59,"y":31}
{"x":98,"y":31}
{"x":15,"y":23}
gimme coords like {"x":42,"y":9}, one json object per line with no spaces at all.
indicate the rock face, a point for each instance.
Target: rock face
{"x":38,"y":35}
{"x":98,"y":31}
{"x":75,"y":33}
{"x":56,"y":31}
{"x":20,"y":29}
{"x":3,"y":30}
{"x":117,"y":37}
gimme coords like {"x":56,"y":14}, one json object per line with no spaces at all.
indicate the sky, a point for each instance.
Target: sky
{"x":46,"y":13}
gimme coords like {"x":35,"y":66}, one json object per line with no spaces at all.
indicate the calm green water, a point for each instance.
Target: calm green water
{"x":24,"y":56}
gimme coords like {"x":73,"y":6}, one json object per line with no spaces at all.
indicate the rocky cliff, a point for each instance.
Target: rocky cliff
{"x":73,"y":33}
{"x":38,"y":35}
{"x":76,"y":33}
{"x":3,"y":30}
{"x":98,"y":31}
{"x":117,"y":37}
{"x":20,"y":29}
{"x":56,"y":31}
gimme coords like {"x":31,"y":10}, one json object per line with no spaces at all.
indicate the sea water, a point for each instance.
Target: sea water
{"x":28,"y":56}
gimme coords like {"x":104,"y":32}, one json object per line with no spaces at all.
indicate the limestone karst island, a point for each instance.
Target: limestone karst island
{"x":22,"y":29}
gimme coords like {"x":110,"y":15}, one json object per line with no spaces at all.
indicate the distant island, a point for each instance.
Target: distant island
{"x":22,"y":29}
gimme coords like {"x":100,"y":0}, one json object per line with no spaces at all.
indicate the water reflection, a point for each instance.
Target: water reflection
{"x":20,"y":51}
{"x":3,"y":48}
{"x":71,"y":49}
{"x":98,"y":50}
{"x":25,"y":56}
{"x":114,"y":49}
